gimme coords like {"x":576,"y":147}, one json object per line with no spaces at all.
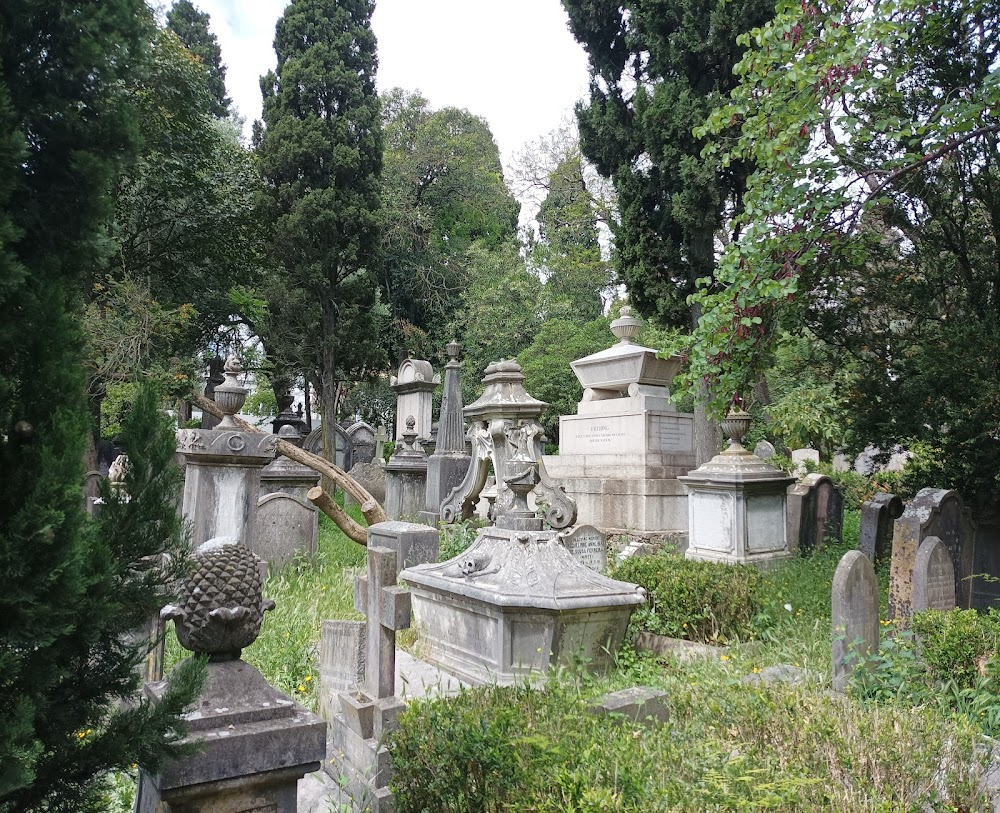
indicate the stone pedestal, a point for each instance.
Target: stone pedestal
{"x":447,"y":466}
{"x":406,"y":477}
{"x":223,"y":469}
{"x":620,"y":455}
{"x":413,"y":542}
{"x":255,"y":745}
{"x":736,"y":505}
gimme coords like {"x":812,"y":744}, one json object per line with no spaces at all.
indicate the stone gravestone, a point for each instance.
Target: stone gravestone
{"x":363,"y":440}
{"x":764,"y":450}
{"x":933,"y":512}
{"x":413,"y":542}
{"x":91,"y":489}
{"x":287,"y":523}
{"x":371,"y":477}
{"x":877,"y":517}
{"x":933,"y":577}
{"x":589,"y":545}
{"x":414,"y":385}
{"x":406,"y":476}
{"x":381,"y":438}
{"x":341,"y":663}
{"x":801,"y":456}
{"x":359,"y":753}
{"x":345,"y":450}
{"x":854,"y":616}
{"x":815,"y":512}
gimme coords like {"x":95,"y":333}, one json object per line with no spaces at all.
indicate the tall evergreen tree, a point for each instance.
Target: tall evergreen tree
{"x":191,"y":28}
{"x":321,"y":155}
{"x":657,"y":69}
{"x":68,"y":587}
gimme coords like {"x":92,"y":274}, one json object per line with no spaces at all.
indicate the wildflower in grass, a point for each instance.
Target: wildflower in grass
{"x":301,"y":689}
{"x":788,"y":607}
{"x":724,"y":657}
{"x":308,"y":678}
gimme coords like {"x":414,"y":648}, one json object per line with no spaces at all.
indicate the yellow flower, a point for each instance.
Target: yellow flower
{"x":301,"y":688}
{"x":756,"y":670}
{"x":308,"y":678}
{"x":725,"y":657}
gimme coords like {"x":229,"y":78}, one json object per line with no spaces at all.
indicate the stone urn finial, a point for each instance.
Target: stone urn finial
{"x":626,"y":327}
{"x":453,"y":349}
{"x":222,"y":605}
{"x":230,"y":396}
{"x":735,"y":425}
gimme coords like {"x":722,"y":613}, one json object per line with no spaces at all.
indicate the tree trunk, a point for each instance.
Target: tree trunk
{"x":328,"y":380}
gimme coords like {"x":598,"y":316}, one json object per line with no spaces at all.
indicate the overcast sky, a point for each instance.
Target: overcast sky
{"x":513,"y":62}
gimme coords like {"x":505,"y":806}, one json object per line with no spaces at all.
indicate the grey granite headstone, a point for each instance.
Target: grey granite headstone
{"x":589,"y":545}
{"x":875,"y":534}
{"x":341,"y":663}
{"x":854,"y":616}
{"x":371,"y":477}
{"x":933,"y":577}
{"x":764,"y":450}
{"x":286,"y":527}
{"x":802,"y":456}
{"x":815,"y":511}
{"x":414,"y":542}
{"x":363,"y":441}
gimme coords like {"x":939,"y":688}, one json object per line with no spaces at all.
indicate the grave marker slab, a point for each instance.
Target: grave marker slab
{"x":933,"y":577}
{"x":589,"y":545}
{"x":877,"y":517}
{"x":342,"y":648}
{"x":854,"y":616}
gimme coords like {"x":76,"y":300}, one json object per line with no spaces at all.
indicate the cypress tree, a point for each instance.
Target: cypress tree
{"x":321,"y":155}
{"x":69,"y":586}
{"x":191,"y":28}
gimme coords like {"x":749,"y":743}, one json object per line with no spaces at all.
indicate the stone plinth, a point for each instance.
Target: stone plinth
{"x":736,"y":506}
{"x":255,"y":744}
{"x":414,"y":543}
{"x":620,"y":455}
{"x":406,"y":477}
{"x":516,"y":604}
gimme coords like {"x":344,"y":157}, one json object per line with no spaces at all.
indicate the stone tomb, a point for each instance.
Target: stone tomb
{"x":875,"y":534}
{"x":933,"y":577}
{"x":854,"y":616}
{"x":815,"y":512}
{"x":933,"y":512}
{"x":414,"y":384}
{"x":737,"y":505}
{"x":620,"y":455}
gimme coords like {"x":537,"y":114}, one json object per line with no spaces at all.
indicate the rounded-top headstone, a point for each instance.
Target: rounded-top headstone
{"x":854,"y":616}
{"x":933,"y":577}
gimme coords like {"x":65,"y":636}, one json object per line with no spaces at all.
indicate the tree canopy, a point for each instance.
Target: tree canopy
{"x":192,"y":29}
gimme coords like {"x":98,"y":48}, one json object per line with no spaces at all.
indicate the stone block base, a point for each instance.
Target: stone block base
{"x":360,"y":766}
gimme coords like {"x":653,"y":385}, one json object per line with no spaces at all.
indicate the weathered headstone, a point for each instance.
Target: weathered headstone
{"x":802,"y":456}
{"x":363,"y":440}
{"x":344,"y":456}
{"x":854,"y":616}
{"x":360,"y":755}
{"x":589,"y":545}
{"x":371,"y":477}
{"x":764,"y":450}
{"x":933,"y":512}
{"x":933,"y":577}
{"x":877,"y":517}
{"x":91,"y":490}
{"x":414,"y":384}
{"x":815,"y":512}
{"x":341,"y":663}
{"x":413,"y":542}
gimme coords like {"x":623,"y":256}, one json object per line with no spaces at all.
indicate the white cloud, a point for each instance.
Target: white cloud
{"x":513,"y":62}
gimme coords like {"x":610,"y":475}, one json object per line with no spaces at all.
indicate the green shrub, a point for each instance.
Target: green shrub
{"x":957,"y":645}
{"x":457,"y":536}
{"x":698,"y":601}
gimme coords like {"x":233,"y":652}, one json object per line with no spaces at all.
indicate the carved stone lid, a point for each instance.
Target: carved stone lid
{"x":414,"y":375}
{"x":505,"y":395}
{"x":625,"y":363}
{"x":736,"y":466}
{"x":509,"y":568}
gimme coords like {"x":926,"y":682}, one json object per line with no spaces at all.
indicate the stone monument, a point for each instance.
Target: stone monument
{"x":406,"y":476}
{"x":815,"y":512}
{"x":254,"y":742}
{"x":287,"y":416}
{"x":854,"y":616}
{"x":223,"y":468}
{"x":620,"y":455}
{"x":933,"y":577}
{"x":381,"y":438}
{"x":737,"y":504}
{"x":414,"y":384}
{"x":517,"y":602}
{"x":877,"y":517}
{"x":287,"y":523}
{"x":357,"y":732}
{"x":363,"y":441}
{"x":933,"y":512}
{"x":446,"y":468}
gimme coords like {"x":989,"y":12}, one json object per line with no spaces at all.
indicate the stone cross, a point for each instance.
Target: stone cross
{"x":854,"y":616}
{"x":381,"y":438}
{"x":386,"y":609}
